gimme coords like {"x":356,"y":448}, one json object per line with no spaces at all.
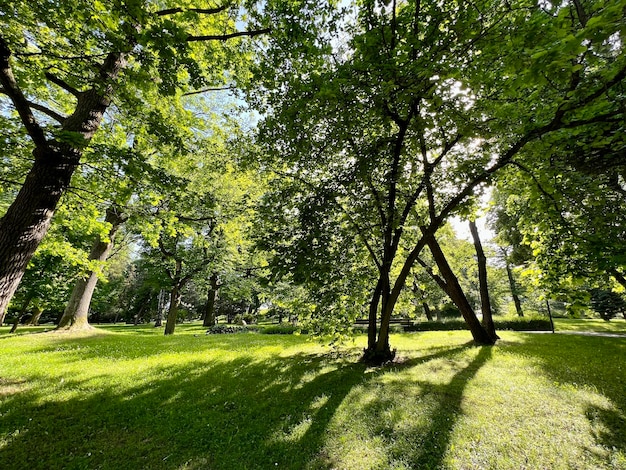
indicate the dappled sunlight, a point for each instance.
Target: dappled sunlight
{"x":243,"y":402}
{"x":404,"y":415}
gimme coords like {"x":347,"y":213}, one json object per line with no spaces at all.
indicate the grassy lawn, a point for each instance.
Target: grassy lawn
{"x":128,"y":397}
{"x":617,"y":325}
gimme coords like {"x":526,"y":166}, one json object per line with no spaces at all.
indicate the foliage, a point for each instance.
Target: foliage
{"x":226,"y":329}
{"x":280,"y":330}
{"x":608,"y":304}
{"x":378,"y":138}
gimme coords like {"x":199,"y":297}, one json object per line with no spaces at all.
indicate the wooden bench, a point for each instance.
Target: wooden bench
{"x":404,"y":322}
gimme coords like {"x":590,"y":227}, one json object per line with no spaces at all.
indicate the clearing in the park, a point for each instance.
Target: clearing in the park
{"x":128,"y":397}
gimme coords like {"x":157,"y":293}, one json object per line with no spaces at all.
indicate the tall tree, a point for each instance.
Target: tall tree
{"x":76,"y":312}
{"x":485,"y":300}
{"x":428,"y":101}
{"x":61,"y":66}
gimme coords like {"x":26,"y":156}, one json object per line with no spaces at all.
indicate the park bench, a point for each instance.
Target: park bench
{"x":404,"y":322}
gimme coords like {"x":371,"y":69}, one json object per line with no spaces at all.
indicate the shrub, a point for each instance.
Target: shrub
{"x":515,"y":324}
{"x":226,"y":329}
{"x":281,"y":330}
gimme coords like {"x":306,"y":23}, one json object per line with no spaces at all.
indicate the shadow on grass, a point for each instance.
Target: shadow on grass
{"x":423,"y":443}
{"x":592,"y":362}
{"x":223,"y":415}
{"x":242,"y":413}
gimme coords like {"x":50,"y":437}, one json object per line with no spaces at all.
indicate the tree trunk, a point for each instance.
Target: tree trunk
{"x":34,"y":320}
{"x":485,"y":301}
{"x":25,"y":305}
{"x":373,"y":317}
{"x":28,"y":218}
{"x":172,"y":313}
{"x":455,"y":292}
{"x":513,"y":287}
{"x":15,"y":323}
{"x":76,"y":312}
{"x":209,"y":309}
{"x":382,"y":352}
{"x":427,"y":311}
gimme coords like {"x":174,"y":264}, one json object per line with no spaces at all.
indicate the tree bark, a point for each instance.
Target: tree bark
{"x":209,"y":309}
{"x":513,"y":286}
{"x":427,"y":311}
{"x":456,"y":294}
{"x":34,"y":320}
{"x":373,"y":317}
{"x":28,"y":218}
{"x":76,"y":312}
{"x":172,"y":313}
{"x":485,"y":301}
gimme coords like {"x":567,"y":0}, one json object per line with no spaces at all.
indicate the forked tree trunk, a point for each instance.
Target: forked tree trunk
{"x":34,"y":320}
{"x":28,"y":218}
{"x":76,"y":312}
{"x":485,"y":301}
{"x":456,"y":294}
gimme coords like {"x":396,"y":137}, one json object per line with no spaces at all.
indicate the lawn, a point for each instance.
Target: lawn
{"x":128,"y":397}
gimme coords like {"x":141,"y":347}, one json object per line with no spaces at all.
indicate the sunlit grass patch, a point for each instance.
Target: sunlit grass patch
{"x":616,"y":325}
{"x":132,"y":398}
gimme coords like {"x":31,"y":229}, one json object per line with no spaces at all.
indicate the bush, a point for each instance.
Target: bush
{"x":514,"y":324}
{"x":226,"y":329}
{"x":281,"y":330}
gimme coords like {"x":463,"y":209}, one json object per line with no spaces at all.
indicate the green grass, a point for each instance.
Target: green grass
{"x":128,"y":397}
{"x":617,"y":325}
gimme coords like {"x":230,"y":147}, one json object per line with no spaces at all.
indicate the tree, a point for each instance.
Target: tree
{"x":485,"y":300}
{"x":62,"y":65}
{"x":607,"y":303}
{"x":399,"y":129}
{"x":76,"y":312}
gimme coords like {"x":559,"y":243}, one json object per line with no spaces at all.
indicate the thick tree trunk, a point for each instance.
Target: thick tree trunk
{"x":455,"y":292}
{"x":28,"y":218}
{"x":76,"y":312}
{"x":513,"y":287}
{"x":485,"y":301}
{"x":172,"y":313}
{"x":209,"y":309}
{"x":382,"y":350}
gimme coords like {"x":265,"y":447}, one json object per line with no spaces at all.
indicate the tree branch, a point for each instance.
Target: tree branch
{"x":53,"y":114}
{"x":225,"y":37}
{"x":198,"y":92}
{"x":61,"y":83}
{"x":12,"y":89}
{"x":202,"y":11}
